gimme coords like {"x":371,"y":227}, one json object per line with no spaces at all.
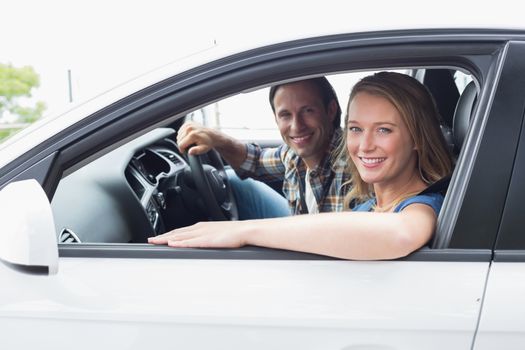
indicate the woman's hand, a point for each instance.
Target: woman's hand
{"x":217,"y":234}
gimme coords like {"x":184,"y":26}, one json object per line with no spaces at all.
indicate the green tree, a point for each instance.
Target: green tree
{"x":16,"y":83}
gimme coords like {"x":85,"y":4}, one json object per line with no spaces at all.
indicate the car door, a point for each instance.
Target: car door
{"x":136,"y":296}
{"x":141,"y":297}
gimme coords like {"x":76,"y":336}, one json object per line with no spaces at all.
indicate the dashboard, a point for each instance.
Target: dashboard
{"x":142,"y":188}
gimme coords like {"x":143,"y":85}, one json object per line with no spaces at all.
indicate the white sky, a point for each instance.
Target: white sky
{"x":103,"y":43}
{"x":106,"y":42}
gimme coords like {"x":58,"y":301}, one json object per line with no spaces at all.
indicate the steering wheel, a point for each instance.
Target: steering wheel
{"x":214,"y":187}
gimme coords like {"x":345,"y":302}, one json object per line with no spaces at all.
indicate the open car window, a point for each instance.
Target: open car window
{"x":144,"y":187}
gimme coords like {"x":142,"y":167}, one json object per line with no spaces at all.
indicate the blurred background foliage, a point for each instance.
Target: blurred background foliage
{"x":17,"y":110}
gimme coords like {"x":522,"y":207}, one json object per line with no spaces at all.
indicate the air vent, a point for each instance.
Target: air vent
{"x":134,"y":183}
{"x":68,"y":236}
{"x":171,"y":156}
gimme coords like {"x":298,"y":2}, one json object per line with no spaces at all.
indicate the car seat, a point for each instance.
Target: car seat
{"x":462,"y":115}
{"x":460,"y":125}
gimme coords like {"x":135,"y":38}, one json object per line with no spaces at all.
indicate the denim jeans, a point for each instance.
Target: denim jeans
{"x":255,"y":199}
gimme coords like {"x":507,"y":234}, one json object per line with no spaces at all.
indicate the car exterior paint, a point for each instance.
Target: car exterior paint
{"x":260,"y":304}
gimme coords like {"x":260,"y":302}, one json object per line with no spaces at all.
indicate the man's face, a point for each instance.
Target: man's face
{"x":304,"y":122}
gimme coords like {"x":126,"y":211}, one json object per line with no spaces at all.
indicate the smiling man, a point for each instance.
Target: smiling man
{"x":308,"y":116}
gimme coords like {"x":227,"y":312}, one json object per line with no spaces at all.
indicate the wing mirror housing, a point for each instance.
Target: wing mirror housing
{"x":28,"y":242}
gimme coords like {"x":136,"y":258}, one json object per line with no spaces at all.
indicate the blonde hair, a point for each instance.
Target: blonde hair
{"x":416,"y":106}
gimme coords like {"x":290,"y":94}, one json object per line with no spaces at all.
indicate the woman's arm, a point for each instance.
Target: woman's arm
{"x":347,"y":235}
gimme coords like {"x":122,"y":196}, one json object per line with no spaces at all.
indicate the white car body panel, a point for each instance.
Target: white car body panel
{"x":503,"y":319}
{"x":240,"y":304}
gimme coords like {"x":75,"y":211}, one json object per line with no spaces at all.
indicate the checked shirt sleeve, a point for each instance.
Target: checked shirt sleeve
{"x":264,"y":164}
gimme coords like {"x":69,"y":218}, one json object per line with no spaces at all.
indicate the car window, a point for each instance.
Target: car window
{"x":154,"y":184}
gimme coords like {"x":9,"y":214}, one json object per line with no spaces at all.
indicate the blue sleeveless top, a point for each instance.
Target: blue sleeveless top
{"x":434,"y":200}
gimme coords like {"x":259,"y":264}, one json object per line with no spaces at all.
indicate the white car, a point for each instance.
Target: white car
{"x":82,"y":192}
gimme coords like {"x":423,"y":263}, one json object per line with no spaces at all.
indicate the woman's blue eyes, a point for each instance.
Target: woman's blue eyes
{"x":356,"y":129}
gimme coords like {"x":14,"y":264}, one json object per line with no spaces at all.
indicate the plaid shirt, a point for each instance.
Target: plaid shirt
{"x":282,"y":163}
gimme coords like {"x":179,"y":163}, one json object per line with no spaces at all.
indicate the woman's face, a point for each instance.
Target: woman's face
{"x":378,"y":141}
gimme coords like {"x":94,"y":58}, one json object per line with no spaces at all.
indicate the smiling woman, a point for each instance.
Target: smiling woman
{"x":394,"y":140}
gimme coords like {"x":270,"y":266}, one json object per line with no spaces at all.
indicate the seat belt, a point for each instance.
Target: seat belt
{"x":304,"y":207}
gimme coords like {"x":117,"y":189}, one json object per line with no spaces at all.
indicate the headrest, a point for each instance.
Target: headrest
{"x":443,"y":88}
{"x":462,"y":114}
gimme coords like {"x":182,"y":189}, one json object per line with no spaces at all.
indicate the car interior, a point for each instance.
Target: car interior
{"x":146,"y":186}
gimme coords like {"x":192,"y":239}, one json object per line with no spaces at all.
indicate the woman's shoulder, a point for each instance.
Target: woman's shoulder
{"x":434,"y":200}
{"x":365,"y":206}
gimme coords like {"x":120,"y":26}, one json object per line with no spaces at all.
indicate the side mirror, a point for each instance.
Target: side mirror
{"x":28,"y":241}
